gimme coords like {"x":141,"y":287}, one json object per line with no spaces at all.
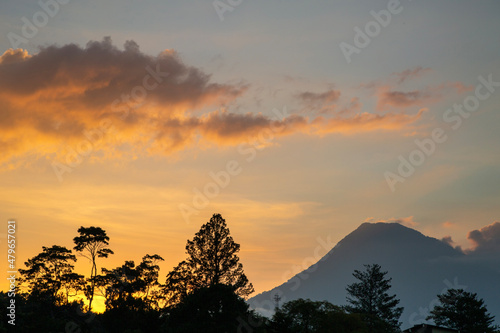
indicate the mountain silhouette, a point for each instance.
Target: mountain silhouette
{"x":421,"y":267}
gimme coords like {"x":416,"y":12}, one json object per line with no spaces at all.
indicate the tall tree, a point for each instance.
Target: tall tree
{"x":149,"y":271}
{"x":369,"y":298}
{"x":462,"y":311}
{"x":213,"y":258}
{"x":49,"y":275}
{"x":92,"y":243}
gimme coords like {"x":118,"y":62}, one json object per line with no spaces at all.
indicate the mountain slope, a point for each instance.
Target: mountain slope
{"x":420,"y":267}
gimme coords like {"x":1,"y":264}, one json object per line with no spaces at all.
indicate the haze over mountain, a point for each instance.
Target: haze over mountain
{"x":421,"y":267}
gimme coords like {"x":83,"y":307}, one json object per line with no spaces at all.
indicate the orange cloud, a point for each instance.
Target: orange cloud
{"x":401,"y":99}
{"x":54,"y":97}
{"x":388,"y":97}
{"x":391,"y":94}
{"x":460,"y":87}
{"x":365,"y":122}
{"x":320,"y":103}
{"x":448,"y":224}
{"x":67,"y":101}
{"x":13,"y":56}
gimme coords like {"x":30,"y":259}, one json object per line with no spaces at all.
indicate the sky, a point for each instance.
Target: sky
{"x":295,"y":120}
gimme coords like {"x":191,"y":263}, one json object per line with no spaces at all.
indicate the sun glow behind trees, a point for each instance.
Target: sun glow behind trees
{"x":49,"y":279}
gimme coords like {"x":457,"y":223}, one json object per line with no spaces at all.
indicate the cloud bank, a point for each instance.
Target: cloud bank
{"x":131,"y":102}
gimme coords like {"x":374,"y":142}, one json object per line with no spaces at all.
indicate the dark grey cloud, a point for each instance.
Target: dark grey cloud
{"x":485,"y":240}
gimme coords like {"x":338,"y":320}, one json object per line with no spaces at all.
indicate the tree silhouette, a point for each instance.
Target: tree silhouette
{"x":462,"y":311}
{"x":369,"y":298}
{"x":122,"y":283}
{"x":133,"y":287}
{"x":92,"y":243}
{"x":212,"y":309}
{"x":149,"y":272}
{"x":49,"y":275}
{"x":304,"y":315}
{"x":130,"y":292}
{"x":213,"y":259}
{"x":179,"y":283}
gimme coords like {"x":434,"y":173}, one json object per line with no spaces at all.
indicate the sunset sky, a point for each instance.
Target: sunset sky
{"x":146,"y":117}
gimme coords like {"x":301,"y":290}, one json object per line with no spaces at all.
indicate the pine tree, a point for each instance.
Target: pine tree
{"x":369,"y":298}
{"x":462,"y":311}
{"x":212,"y":260}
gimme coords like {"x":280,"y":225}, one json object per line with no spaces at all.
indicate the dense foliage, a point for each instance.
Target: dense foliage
{"x":306,"y":316}
{"x":463,"y":311}
{"x":369,"y":297}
